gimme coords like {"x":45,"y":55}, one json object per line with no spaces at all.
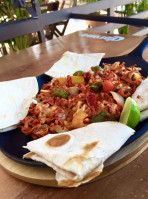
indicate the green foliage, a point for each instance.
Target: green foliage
{"x":7,"y":13}
{"x":142,"y":6}
{"x":88,"y":1}
{"x":123,"y":30}
{"x":131,"y":9}
{"x":91,"y":1}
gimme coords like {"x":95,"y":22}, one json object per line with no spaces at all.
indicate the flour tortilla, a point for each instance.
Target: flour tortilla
{"x":8,"y":128}
{"x":144,"y":115}
{"x":78,"y":155}
{"x":72,"y":62}
{"x":64,"y":181}
{"x":141,"y":95}
{"x":16,"y":97}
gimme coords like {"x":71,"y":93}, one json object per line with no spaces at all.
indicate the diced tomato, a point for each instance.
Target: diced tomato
{"x":91,"y":98}
{"x":108,"y":86}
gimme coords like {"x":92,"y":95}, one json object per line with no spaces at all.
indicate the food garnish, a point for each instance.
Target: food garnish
{"x":130,"y":114}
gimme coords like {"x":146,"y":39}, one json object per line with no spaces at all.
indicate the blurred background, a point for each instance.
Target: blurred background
{"x":8,"y":14}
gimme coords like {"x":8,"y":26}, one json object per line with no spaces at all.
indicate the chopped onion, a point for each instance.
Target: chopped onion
{"x":73,"y":90}
{"x":113,"y":109}
{"x":115,"y":65}
{"x":107,"y":67}
{"x":44,"y":91}
{"x":118,"y":98}
{"x":138,"y":68}
{"x":34,"y":101}
{"x":115,"y":76}
{"x":59,"y":129}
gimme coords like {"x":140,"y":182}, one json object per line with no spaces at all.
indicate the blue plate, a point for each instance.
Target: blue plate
{"x":11,"y":142}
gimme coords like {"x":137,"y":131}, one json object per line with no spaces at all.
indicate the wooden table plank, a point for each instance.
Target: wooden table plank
{"x":129,"y":182}
{"x":39,"y":58}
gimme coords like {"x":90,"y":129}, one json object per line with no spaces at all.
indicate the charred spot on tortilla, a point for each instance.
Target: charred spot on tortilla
{"x":90,"y":146}
{"x":29,"y":155}
{"x":76,"y":159}
{"x":58,"y":141}
{"x":93,"y":175}
{"x":68,"y":183}
{"x":81,"y":157}
{"x":72,"y":183}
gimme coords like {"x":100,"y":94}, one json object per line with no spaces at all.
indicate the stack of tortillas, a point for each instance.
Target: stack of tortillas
{"x":71,"y":62}
{"x":77,"y":156}
{"x":16,"y":97}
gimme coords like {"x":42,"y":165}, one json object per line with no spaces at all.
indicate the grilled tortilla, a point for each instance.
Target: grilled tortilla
{"x":141,"y":95}
{"x":77,"y":156}
{"x":72,"y":62}
{"x":16,"y":97}
{"x":144,"y":115}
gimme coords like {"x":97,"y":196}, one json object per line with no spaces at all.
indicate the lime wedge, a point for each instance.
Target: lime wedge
{"x":130,"y":114}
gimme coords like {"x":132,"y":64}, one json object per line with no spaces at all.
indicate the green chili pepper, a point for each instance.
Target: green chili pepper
{"x":96,"y":68}
{"x":79,"y":72}
{"x":60,"y":93}
{"x":103,"y":116}
{"x":44,"y":126}
{"x":95,"y":86}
